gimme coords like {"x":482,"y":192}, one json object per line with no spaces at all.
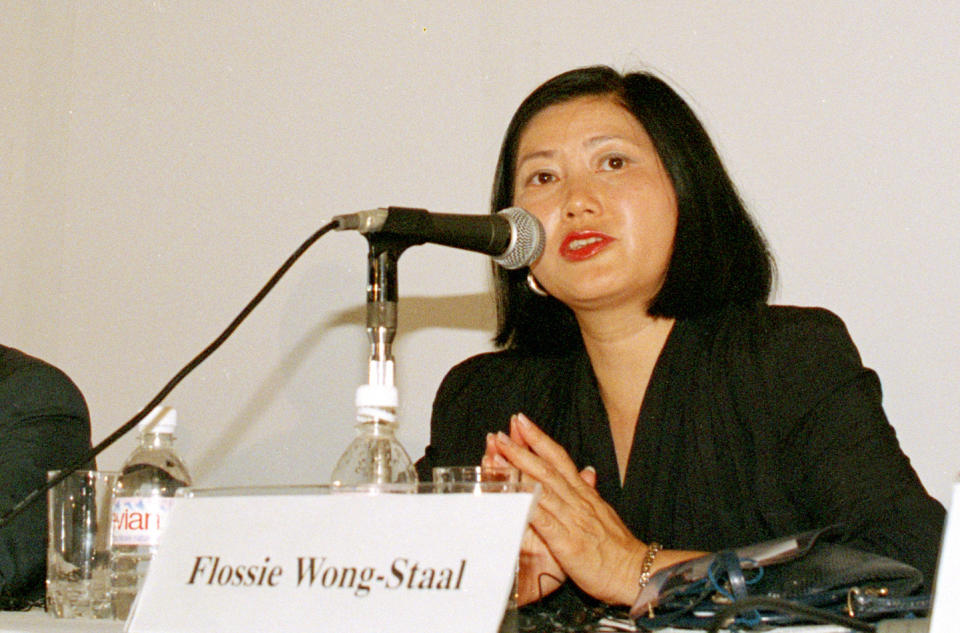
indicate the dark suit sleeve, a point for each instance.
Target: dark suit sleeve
{"x":476,"y":397}
{"x":44,"y":425}
{"x":838,"y":452}
{"x":456,"y":423}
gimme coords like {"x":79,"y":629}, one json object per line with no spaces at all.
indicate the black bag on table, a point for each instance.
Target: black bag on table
{"x":808,"y":577}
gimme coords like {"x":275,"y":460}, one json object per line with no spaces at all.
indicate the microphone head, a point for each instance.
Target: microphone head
{"x":527,"y":239}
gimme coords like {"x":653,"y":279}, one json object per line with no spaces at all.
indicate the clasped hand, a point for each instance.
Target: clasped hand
{"x":573,"y":533}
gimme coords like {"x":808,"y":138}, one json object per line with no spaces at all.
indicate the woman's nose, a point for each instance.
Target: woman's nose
{"x":580,"y":198}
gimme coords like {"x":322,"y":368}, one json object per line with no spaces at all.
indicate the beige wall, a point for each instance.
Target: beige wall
{"x":159,"y":160}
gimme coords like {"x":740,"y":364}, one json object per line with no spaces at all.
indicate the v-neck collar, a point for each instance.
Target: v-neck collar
{"x":594,"y":440}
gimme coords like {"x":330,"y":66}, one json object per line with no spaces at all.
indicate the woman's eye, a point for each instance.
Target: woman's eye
{"x":541,"y":178}
{"x":613,"y":163}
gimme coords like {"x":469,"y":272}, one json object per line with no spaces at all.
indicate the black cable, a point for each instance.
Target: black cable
{"x":725,"y":618}
{"x":165,"y":391}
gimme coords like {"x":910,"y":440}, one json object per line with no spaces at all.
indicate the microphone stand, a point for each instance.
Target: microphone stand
{"x":385,"y":250}
{"x":375,"y":456}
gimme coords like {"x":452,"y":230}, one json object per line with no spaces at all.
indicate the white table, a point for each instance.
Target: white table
{"x":38,"y":621}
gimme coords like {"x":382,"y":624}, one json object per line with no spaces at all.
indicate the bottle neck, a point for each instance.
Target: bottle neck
{"x":375,"y":426}
{"x":156,"y":440}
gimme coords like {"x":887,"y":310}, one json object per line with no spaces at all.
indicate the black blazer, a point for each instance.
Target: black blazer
{"x":758,"y":422}
{"x":44,"y":425}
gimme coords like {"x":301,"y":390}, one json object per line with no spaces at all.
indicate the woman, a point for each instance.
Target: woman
{"x":645,"y":383}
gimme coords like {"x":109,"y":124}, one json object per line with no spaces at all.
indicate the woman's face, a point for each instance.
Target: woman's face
{"x":589,"y":172}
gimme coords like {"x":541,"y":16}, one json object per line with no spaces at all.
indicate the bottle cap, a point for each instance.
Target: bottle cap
{"x":377,"y":402}
{"x":160,"y":420}
{"x":377,"y":396}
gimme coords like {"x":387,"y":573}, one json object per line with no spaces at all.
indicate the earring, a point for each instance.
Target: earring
{"x":535,"y":286}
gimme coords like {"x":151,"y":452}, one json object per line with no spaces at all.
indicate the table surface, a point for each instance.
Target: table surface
{"x":38,"y":621}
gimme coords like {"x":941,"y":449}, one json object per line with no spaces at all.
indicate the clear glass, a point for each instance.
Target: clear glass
{"x":374,"y":457}
{"x":78,"y":547}
{"x":444,"y":478}
{"x":143,"y":494}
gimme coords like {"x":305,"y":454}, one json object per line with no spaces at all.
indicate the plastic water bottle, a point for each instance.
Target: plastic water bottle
{"x":142,"y":498}
{"x":375,"y":456}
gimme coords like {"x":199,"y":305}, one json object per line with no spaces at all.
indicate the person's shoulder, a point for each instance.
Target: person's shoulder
{"x":14,"y":361}
{"x":799,"y":319}
{"x":776,"y":362}
{"x":33,"y":386}
{"x":494,"y":372}
{"x":805,"y":331}
{"x":804,"y":347}
{"x":486,"y":367}
{"x":764,"y":315}
{"x":761,"y":326}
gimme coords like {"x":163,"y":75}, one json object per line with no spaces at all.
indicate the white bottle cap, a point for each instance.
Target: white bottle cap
{"x":160,"y":420}
{"x":378,"y":401}
{"x":377,"y":396}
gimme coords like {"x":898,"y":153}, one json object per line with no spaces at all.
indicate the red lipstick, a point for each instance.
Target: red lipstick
{"x":580,"y":245}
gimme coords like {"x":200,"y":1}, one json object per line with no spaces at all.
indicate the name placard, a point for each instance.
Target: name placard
{"x":305,"y":559}
{"x":945,"y":611}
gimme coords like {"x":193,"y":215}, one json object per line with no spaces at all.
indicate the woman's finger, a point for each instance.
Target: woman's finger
{"x":526,"y":460}
{"x":544,"y":446}
{"x":515,"y":434}
{"x":589,"y":476}
{"x":556,"y":472}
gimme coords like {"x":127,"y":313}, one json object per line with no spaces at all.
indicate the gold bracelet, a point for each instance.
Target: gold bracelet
{"x":646,"y":569}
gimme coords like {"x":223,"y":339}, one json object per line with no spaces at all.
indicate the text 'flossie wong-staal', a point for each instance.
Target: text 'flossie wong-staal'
{"x":318,"y":572}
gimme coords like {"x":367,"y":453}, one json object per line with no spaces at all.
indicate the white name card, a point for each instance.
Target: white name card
{"x":299,"y":560}
{"x":945,"y":611}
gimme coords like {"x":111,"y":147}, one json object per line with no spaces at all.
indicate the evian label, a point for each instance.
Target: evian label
{"x":139,"y":520}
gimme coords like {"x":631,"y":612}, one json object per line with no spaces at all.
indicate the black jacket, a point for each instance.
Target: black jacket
{"x":757,"y":422}
{"x":44,"y":425}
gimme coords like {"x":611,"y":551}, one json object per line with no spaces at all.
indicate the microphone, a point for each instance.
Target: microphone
{"x":513,"y":237}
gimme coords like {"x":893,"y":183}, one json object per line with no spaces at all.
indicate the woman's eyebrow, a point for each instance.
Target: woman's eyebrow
{"x":590,"y":142}
{"x":603,"y":138}
{"x":543,"y":153}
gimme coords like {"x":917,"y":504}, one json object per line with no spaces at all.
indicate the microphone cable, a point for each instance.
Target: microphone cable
{"x":167,"y":388}
{"x":727,"y":618}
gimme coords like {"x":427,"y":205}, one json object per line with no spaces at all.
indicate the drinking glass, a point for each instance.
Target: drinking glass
{"x":475,"y":478}
{"x":78,"y":548}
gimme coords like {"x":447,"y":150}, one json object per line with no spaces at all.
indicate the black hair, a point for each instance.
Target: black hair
{"x":719,"y":255}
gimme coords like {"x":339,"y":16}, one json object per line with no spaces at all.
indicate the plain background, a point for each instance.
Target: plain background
{"x":159,"y":160}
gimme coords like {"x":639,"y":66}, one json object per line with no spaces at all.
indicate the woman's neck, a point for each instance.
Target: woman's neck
{"x":615,"y":336}
{"x":623,"y":350}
